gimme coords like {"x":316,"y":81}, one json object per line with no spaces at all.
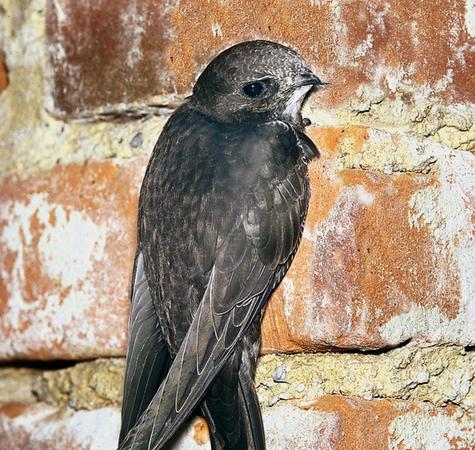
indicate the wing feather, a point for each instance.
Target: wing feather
{"x":147,"y":355}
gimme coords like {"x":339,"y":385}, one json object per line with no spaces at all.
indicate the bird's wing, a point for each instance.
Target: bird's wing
{"x":147,"y":356}
{"x":250,"y":260}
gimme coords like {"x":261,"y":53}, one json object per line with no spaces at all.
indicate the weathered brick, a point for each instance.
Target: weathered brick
{"x":118,"y":55}
{"x":329,"y":423}
{"x":3,"y":74}
{"x":389,"y":424}
{"x":43,"y":427}
{"x":384,"y":258}
{"x":67,"y":245}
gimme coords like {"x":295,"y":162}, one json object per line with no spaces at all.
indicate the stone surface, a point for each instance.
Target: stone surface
{"x":438,"y":375}
{"x":67,"y":245}
{"x":396,"y":425}
{"x":88,"y":385}
{"x":123,"y":54}
{"x":31,"y":139}
{"x":17,"y":384}
{"x":327,"y":423}
{"x":452,"y":125}
{"x":43,"y":427}
{"x":366,"y":50}
{"x":387,"y":254}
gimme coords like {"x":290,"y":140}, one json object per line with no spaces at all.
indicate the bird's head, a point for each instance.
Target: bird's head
{"x":255,"y":81}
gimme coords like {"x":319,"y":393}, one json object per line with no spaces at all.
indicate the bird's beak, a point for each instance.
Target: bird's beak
{"x":308,"y":79}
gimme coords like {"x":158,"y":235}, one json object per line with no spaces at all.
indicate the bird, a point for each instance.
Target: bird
{"x":221,"y":213}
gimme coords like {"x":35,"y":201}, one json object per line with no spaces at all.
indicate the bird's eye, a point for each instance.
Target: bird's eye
{"x":253,"y":89}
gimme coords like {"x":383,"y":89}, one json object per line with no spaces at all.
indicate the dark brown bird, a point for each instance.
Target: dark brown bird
{"x":221,"y":213}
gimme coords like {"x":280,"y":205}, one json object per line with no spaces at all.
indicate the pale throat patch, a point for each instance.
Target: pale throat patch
{"x":293,"y":105}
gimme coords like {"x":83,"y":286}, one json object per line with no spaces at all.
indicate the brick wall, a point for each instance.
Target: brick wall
{"x":368,"y":342}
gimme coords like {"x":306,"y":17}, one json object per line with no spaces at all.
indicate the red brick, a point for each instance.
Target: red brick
{"x":393,"y":424}
{"x":124,"y":53}
{"x":67,"y":245}
{"x":365,"y":276}
{"x":3,"y":74}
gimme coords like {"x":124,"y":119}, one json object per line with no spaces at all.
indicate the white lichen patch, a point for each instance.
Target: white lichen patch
{"x":288,"y":427}
{"x":64,"y":259}
{"x":16,"y":237}
{"x":364,"y":46}
{"x":447,"y":211}
{"x":365,"y":198}
{"x":70,"y":247}
{"x":448,"y":208}
{"x":43,"y":425}
{"x":133,"y":21}
{"x":428,"y":324}
{"x":444,"y":82}
{"x":394,"y":78}
{"x":470,"y":17}
{"x":60,"y":318}
{"x":288,"y":292}
{"x":415,"y":430}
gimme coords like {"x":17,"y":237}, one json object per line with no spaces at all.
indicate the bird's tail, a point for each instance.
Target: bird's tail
{"x":231,"y":406}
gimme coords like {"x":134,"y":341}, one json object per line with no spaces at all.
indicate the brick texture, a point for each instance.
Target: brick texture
{"x":374,"y":269}
{"x":67,"y":245}
{"x":123,"y":52}
{"x":387,"y":257}
{"x":329,"y":423}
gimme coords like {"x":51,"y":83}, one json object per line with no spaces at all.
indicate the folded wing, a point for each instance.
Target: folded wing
{"x":147,"y":355}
